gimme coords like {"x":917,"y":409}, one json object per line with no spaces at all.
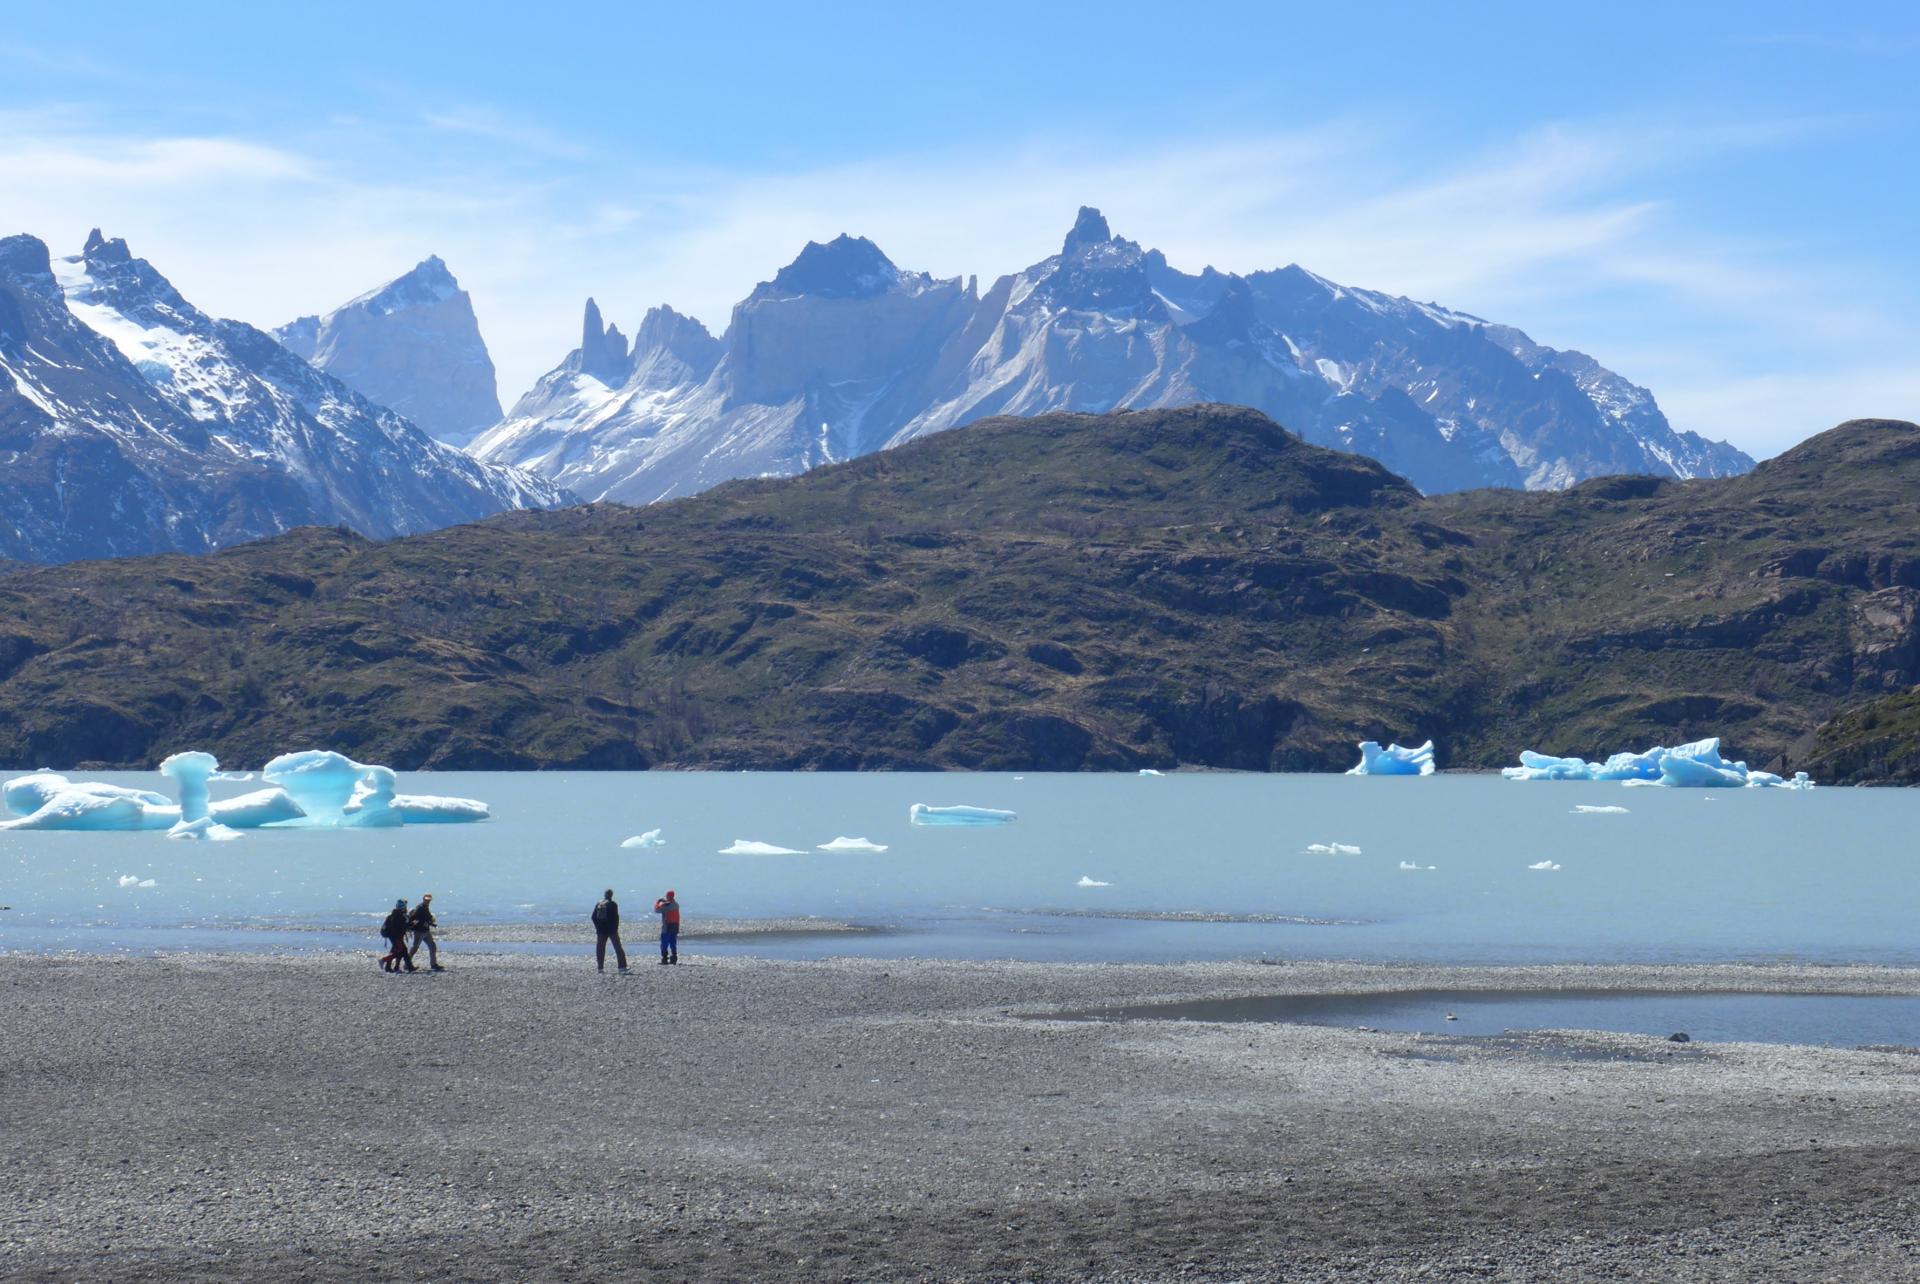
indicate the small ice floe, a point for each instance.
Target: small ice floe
{"x":1414,"y":864}
{"x":1332,"y":849}
{"x":1589,"y":809}
{"x":1089,"y":881}
{"x":845,"y":844}
{"x":651,"y":838}
{"x":922,"y":814}
{"x":134,"y":880}
{"x":206,"y":829}
{"x":751,"y":847}
{"x":1149,"y":771}
{"x":1695,"y":765}
{"x":1393,"y":760}
{"x":1543,"y":864}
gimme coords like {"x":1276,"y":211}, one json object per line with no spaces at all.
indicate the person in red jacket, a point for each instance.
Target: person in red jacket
{"x":669,"y":911}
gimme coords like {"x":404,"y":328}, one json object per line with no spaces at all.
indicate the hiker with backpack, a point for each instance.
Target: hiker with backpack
{"x":394,"y":932}
{"x":423,"y":922}
{"x":606,"y":927}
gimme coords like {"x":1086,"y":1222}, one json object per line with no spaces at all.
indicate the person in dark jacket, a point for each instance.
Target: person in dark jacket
{"x":422,"y":922}
{"x":606,"y":927}
{"x":669,"y":911}
{"x":394,"y":931}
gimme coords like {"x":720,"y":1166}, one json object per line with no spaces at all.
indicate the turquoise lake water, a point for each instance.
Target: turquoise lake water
{"x":1755,"y":875}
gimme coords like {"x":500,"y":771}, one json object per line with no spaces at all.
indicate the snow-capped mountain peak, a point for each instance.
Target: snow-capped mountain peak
{"x":412,"y":345}
{"x":843,"y":353}
{"x":134,"y":422}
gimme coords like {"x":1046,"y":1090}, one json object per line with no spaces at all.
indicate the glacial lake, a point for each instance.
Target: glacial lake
{"x":1681,"y":876}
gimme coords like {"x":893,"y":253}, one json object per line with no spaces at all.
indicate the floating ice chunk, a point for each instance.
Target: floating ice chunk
{"x":319,"y":780}
{"x":1393,"y":760}
{"x":1696,"y":765}
{"x":1414,"y":864}
{"x":205,"y":829}
{"x":750,"y":847}
{"x":1088,"y":881}
{"x":1589,"y":809}
{"x":921,"y":814}
{"x":145,"y":882}
{"x":844,"y":844}
{"x":1149,"y":771}
{"x":271,"y":806}
{"x":1332,"y":849}
{"x":651,"y":838}
{"x":129,"y":880}
{"x":1543,"y":864}
{"x":190,"y":771}
{"x":48,"y":800}
{"x":431,"y":809}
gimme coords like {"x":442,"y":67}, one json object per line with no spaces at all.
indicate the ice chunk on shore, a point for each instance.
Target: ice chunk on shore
{"x":844,"y":844}
{"x":1332,"y":849}
{"x":254,"y":810}
{"x":48,"y":800}
{"x":922,"y":814}
{"x":751,"y":847}
{"x":651,"y":838}
{"x":1696,"y":765}
{"x":1394,"y":760}
{"x":1087,"y":880}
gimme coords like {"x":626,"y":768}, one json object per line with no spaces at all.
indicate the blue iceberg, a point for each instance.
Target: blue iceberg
{"x":921,"y":814}
{"x":1393,"y":760}
{"x":1696,"y":765}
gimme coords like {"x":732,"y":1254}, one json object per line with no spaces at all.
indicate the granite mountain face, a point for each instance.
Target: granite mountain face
{"x":843,"y":353}
{"x":132,"y":422}
{"x":414,"y":346}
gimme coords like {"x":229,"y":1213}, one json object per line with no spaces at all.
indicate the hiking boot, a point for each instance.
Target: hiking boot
{"x":436,"y":968}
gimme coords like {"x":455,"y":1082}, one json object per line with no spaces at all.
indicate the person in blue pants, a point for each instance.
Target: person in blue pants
{"x":669,"y":911}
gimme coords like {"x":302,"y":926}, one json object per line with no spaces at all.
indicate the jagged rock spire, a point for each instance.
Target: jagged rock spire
{"x":603,"y":349}
{"x":1089,"y":228}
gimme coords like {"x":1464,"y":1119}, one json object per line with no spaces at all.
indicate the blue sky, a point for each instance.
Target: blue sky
{"x":1714,"y":200}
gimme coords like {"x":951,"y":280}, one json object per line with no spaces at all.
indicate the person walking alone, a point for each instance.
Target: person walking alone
{"x":394,"y":930}
{"x":422,"y":922}
{"x":606,"y":927}
{"x":669,"y":911}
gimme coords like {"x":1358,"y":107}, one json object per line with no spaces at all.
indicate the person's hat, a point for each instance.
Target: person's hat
{"x":401,"y":903}
{"x":669,"y":891}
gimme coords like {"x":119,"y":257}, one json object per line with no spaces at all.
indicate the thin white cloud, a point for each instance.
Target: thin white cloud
{"x":1563,"y":231}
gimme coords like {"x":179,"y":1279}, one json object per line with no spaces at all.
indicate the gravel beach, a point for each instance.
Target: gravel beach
{"x":247,"y":1117}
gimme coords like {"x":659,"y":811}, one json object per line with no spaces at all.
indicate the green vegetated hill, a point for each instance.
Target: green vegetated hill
{"x":1191,"y":586}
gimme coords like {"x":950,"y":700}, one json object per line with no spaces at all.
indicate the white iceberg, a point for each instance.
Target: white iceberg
{"x":1394,"y":760}
{"x":1149,"y":771}
{"x":431,"y":809}
{"x":922,"y":814}
{"x":1543,"y":864}
{"x":1696,"y":765}
{"x":651,"y":838}
{"x":1414,"y":864}
{"x":1089,"y":881}
{"x":205,"y":829}
{"x":1332,"y":849}
{"x":261,"y":807}
{"x":750,"y":847}
{"x":1589,"y":809}
{"x":48,"y":800}
{"x":845,"y":844}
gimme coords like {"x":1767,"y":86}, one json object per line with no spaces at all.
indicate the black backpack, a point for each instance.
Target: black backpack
{"x":602,"y":914}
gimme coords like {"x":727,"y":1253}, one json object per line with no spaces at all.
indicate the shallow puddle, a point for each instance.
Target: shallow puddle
{"x":1839,"y":1020}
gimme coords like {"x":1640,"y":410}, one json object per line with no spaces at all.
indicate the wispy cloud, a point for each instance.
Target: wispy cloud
{"x":1564,"y":230}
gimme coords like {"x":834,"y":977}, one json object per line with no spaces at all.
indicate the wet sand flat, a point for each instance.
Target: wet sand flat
{"x":241,"y":1117}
